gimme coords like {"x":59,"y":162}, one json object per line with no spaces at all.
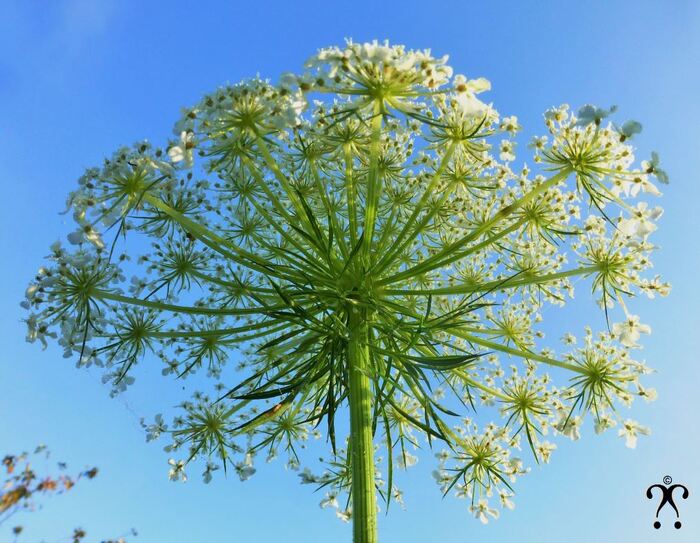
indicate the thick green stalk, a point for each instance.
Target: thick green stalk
{"x":364,"y":506}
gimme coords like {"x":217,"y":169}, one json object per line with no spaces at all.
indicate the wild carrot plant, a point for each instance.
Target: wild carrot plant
{"x":360,"y":236}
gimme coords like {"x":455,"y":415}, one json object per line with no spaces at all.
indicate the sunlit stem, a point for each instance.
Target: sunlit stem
{"x":508,"y":210}
{"x":153,"y":304}
{"x":235,"y":332}
{"x":350,"y":192}
{"x":364,"y":507}
{"x":464,"y":376}
{"x":512,"y":282}
{"x":245,"y":290}
{"x":387,"y":228}
{"x":266,"y":189}
{"x":403,"y":239}
{"x":445,"y":256}
{"x":293,"y":240}
{"x":373,"y":181}
{"x":217,"y":243}
{"x":333,"y":219}
{"x":528,"y":355}
{"x":291,"y":194}
{"x":500,"y":215}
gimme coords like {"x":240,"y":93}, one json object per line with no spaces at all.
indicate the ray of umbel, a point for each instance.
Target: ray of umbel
{"x":359,"y":235}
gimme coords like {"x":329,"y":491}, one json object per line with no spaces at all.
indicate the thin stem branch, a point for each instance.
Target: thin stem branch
{"x":512,"y":282}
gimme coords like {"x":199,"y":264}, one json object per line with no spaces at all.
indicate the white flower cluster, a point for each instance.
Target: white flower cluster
{"x":376,"y":66}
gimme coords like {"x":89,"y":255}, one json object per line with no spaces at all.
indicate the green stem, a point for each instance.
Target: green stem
{"x":293,"y":196}
{"x":350,"y":192}
{"x":473,"y":382}
{"x":487,"y":226}
{"x":402,"y":241}
{"x":528,"y":355}
{"x":373,"y":181}
{"x":230,"y":284}
{"x":364,"y":506}
{"x":280,"y":209}
{"x":332,"y":215}
{"x":511,"y":282}
{"x":163,"y":306}
{"x":443,"y":258}
{"x":214,"y":241}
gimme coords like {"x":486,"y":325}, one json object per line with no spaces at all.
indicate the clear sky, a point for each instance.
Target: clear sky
{"x":79,"y":78}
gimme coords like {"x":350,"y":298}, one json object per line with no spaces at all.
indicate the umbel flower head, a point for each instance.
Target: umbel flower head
{"x":359,"y":241}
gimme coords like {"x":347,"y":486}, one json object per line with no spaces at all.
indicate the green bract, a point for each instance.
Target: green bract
{"x":358,"y":233}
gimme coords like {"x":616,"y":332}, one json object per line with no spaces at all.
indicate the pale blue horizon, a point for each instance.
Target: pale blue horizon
{"x":79,"y":78}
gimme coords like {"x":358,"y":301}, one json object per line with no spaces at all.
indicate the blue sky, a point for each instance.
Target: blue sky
{"x":78,"y":78}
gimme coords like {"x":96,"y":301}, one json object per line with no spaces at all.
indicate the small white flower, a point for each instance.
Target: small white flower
{"x":406,"y":460}
{"x":290,"y":113}
{"x":507,"y":151}
{"x":177,"y":471}
{"x":245,"y":469}
{"x":506,"y":499}
{"x":544,"y":450}
{"x":654,"y":286}
{"x":307,"y":477}
{"x":475,"y":86}
{"x":595,"y":225}
{"x":244,"y":472}
{"x":441,"y":476}
{"x":649,"y":394}
{"x":331,"y":500}
{"x":206,"y":476}
{"x":630,"y":431}
{"x":592,"y":114}
{"x":345,"y":515}
{"x":569,"y":426}
{"x":443,"y":455}
{"x":86,"y":233}
{"x":482,"y":509}
{"x":470,"y":106}
{"x":398,"y":497}
{"x":154,"y":430}
{"x":603,"y":422}
{"x":183,"y":152}
{"x":629,"y":331}
{"x":289,"y":80}
{"x":652,"y":167}
{"x":510,"y":124}
{"x":632,"y":186}
{"x":557,"y":114}
{"x":38,"y":331}
{"x":569,"y":339}
{"x":641,"y":221}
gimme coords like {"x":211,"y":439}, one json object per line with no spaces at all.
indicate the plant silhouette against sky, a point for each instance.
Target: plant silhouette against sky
{"x":359,"y":234}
